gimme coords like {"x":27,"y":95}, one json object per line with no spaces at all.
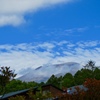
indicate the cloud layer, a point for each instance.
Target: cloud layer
{"x":23,"y":56}
{"x":12,"y":11}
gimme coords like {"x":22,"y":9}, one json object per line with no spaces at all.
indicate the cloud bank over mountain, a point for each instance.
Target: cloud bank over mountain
{"x":12,"y":12}
{"x":43,"y":73}
{"x":23,"y":56}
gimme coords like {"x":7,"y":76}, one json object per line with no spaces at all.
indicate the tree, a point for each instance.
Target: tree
{"x":17,"y":98}
{"x":40,"y":95}
{"x":90,"y":91}
{"x":53,"y":80}
{"x":68,"y":80}
{"x":13,"y":85}
{"x":96,"y":73}
{"x":5,"y":76}
{"x":81,"y":75}
{"x":89,"y":71}
{"x":93,"y":89}
{"x":90,"y":65}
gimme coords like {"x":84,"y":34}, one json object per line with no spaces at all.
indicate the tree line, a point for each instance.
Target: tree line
{"x":90,"y":73}
{"x":89,"y":70}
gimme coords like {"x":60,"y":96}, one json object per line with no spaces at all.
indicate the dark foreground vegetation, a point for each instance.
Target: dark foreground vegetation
{"x":88,"y":76}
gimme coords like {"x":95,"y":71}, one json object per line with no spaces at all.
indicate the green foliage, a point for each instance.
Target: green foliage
{"x":39,"y":95}
{"x":17,"y":98}
{"x":41,"y":84}
{"x":88,"y":71}
{"x":55,"y":81}
{"x":31,"y":95}
{"x":68,"y":80}
{"x":81,"y":75}
{"x":16,"y":85}
{"x":5,"y":76}
{"x":90,"y":65}
{"x":96,"y":74}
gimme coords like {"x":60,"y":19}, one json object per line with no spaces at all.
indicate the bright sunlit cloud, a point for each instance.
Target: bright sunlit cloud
{"x":12,"y":11}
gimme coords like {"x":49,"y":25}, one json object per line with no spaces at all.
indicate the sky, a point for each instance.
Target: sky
{"x":39,"y":32}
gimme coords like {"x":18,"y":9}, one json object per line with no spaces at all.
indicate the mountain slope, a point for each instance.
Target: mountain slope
{"x":42,"y":73}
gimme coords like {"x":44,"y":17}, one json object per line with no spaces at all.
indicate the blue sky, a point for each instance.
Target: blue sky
{"x":34,"y":33}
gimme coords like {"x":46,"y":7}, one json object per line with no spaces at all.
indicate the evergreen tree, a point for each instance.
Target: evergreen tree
{"x":5,"y":76}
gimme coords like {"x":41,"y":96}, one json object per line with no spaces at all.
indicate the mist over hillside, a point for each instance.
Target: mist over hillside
{"x":42,"y":73}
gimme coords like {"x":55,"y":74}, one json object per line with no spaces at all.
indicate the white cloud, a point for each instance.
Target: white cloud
{"x":88,"y":44}
{"x":11,"y":20}
{"x":12,"y":11}
{"x":82,"y":29}
{"x":23,"y":56}
{"x":79,"y":29}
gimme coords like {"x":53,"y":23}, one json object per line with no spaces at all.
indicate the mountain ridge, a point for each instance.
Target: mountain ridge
{"x":42,"y":73}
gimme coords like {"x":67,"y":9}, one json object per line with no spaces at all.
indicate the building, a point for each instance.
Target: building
{"x":73,"y":89}
{"x":18,"y":93}
{"x":55,"y":91}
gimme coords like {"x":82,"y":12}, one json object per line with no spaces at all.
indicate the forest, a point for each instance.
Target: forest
{"x":89,"y":76}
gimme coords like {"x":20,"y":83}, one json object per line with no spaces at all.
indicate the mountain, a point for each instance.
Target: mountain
{"x":42,"y":73}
